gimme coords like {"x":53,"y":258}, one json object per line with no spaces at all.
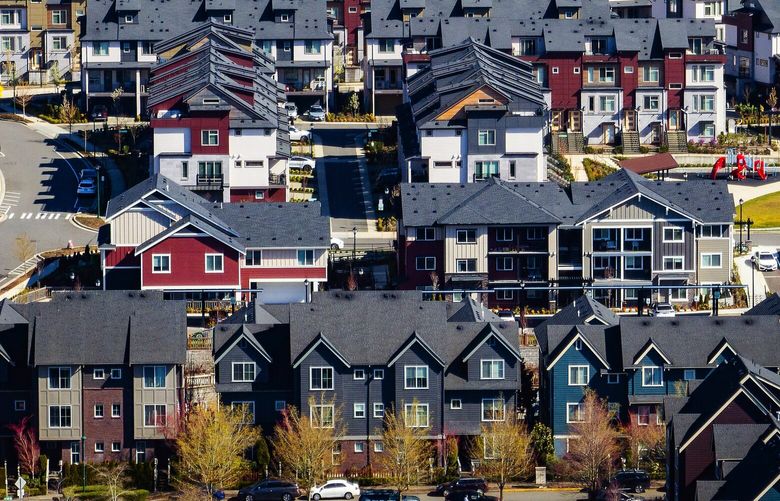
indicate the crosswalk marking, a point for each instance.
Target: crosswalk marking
{"x":35,"y":216}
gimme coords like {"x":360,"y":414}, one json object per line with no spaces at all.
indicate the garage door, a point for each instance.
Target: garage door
{"x":280,"y":293}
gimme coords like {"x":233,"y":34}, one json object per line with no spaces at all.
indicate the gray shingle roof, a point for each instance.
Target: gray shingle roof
{"x":769,"y":306}
{"x":8,"y":315}
{"x":581,"y":310}
{"x":106,"y":327}
{"x":733,"y":441}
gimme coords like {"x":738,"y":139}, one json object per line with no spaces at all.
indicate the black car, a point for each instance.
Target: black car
{"x":383,"y":495}
{"x":469,"y":496}
{"x":99,"y":113}
{"x":462,"y":484}
{"x":270,"y":490}
{"x":631,"y":480}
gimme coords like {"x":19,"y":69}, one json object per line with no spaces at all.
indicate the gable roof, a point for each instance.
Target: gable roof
{"x":8,"y":315}
{"x":769,"y":306}
{"x":244,"y":333}
{"x":558,"y":339}
{"x":582,"y":311}
{"x":195,"y":223}
{"x":648,"y":347}
{"x":492,"y":333}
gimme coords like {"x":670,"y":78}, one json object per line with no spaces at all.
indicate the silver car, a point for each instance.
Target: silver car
{"x":316,"y":113}
{"x":765,"y":261}
{"x":297,"y":162}
{"x":663,"y":310}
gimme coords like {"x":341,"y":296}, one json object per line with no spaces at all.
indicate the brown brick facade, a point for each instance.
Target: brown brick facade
{"x":106,"y":429}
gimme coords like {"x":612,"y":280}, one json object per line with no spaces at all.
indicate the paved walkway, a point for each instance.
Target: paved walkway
{"x":752,"y":188}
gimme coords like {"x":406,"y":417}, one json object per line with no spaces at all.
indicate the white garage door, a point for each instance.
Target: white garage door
{"x":281,"y":293}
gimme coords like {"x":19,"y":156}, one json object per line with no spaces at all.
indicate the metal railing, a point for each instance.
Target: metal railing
{"x":33,"y":296}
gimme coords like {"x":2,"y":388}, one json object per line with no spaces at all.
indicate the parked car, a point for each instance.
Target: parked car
{"x":270,"y":490}
{"x":297,"y":162}
{"x":297,"y":134}
{"x":462,"y":484}
{"x":316,"y":113}
{"x":335,"y":489}
{"x":469,"y":496}
{"x":384,"y":495}
{"x":631,"y":480}
{"x":336,"y":243}
{"x":765,"y":261}
{"x":663,"y":310}
{"x":88,"y":173}
{"x":99,"y":113}
{"x":86,"y":187}
{"x":506,"y":315}
{"x":292,"y":111}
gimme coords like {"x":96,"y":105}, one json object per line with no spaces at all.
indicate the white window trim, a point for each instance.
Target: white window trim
{"x":407,"y":407}
{"x":361,"y":376}
{"x":487,"y":137}
{"x":427,"y":377}
{"x":233,"y":372}
{"x":155,"y":370}
{"x":305,"y":251}
{"x":119,"y":414}
{"x":355,"y":407}
{"x":102,"y":448}
{"x":116,"y":449}
{"x":503,"y":231}
{"x":332,"y":378}
{"x":720,"y":255}
{"x":457,"y":407}
{"x":379,"y":447}
{"x":587,"y":374}
{"x":491,"y":360}
{"x":466,"y":231}
{"x":98,"y":374}
{"x":48,"y":416}
{"x":379,"y":374}
{"x":48,"y":377}
{"x":482,"y":410}
{"x":359,"y":445}
{"x":254,"y":265}
{"x":650,"y":367}
{"x":568,"y":405}
{"x":673,"y":240}
{"x":663,"y":263}
{"x":503,"y":260}
{"x":155,"y":415}
{"x":639,"y":414}
{"x":168,"y":271}
{"x":379,"y":410}
{"x":323,"y":406}
{"x":208,"y":131}
{"x":206,"y":263}
{"x":95,"y":409}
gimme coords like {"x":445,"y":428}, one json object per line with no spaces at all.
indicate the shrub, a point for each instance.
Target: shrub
{"x":644,"y":149}
{"x":618,"y":150}
{"x":596,"y":170}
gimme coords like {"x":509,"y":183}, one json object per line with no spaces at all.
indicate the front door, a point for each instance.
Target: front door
{"x":630,"y":120}
{"x":608,"y":131}
{"x":675,"y":120}
{"x":75,"y":453}
{"x":655,"y":133}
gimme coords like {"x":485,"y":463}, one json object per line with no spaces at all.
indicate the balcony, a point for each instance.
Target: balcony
{"x":606,"y":245}
{"x":637,"y":245}
{"x":208,"y":182}
{"x":515,"y":247}
{"x":277,"y":180}
{"x":390,"y":85}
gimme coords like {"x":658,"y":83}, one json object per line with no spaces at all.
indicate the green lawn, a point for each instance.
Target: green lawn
{"x":100,"y":493}
{"x":764,"y":211}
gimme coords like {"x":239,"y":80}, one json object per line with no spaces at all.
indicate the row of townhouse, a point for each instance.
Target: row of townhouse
{"x":218,"y":127}
{"x":39,"y":40}
{"x":606,"y":80}
{"x":118,"y":48}
{"x":624,"y":231}
{"x":723,"y":435}
{"x":636,"y":363}
{"x":161,"y":236}
{"x":449,"y":367}
{"x":101,"y":373}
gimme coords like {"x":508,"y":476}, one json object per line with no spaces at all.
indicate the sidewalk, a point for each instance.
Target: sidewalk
{"x":59,"y":133}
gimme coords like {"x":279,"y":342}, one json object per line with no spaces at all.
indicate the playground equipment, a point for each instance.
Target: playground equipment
{"x":743,"y":165}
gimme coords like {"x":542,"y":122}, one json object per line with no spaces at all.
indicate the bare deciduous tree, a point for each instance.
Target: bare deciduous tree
{"x":645,"y":443}
{"x":26,"y":445}
{"x":305,"y":444}
{"x":23,"y":97}
{"x":211,"y":443}
{"x":69,"y":113}
{"x":591,"y":454}
{"x":406,"y":448}
{"x":24,"y":247}
{"x":113,"y":476}
{"x":506,"y":449}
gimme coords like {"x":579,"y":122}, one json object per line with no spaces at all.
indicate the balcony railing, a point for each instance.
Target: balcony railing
{"x":606,"y":245}
{"x":643,"y":245}
{"x":209,"y":182}
{"x":388,"y":85}
{"x":277,"y":179}
{"x":518,"y":247}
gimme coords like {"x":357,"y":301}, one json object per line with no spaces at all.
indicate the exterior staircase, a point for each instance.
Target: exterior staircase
{"x":199,"y":372}
{"x":565,"y":143}
{"x":576,"y":142}
{"x":677,"y":141}
{"x":630,"y":142}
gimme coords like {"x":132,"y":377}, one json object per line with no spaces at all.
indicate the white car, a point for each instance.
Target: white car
{"x":336,"y":243}
{"x":297,"y":162}
{"x":297,"y":134}
{"x":765,"y":261}
{"x":292,"y":110}
{"x":335,"y":489}
{"x":663,"y":310}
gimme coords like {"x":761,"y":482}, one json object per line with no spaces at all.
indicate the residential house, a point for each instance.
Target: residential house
{"x":218,"y":128}
{"x":103,"y":372}
{"x":624,"y":231}
{"x":162,"y":236}
{"x":16,"y":376}
{"x":473,"y":113}
{"x":448,"y":367}
{"x":636,"y":363}
{"x":722,"y":436}
{"x":119,"y":39}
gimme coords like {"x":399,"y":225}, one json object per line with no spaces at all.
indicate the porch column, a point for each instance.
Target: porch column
{"x":85,"y":79}
{"x":138,"y":93}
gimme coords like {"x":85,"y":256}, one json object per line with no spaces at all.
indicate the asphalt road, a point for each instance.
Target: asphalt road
{"x":40,"y":182}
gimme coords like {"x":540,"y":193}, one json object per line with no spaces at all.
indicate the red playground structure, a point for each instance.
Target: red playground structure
{"x":743,"y":165}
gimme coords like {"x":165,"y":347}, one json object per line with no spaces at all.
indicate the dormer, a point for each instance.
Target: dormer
{"x":127,"y":6}
{"x":599,"y":45}
{"x":569,"y":9}
{"x":411,"y":8}
{"x":476,"y":8}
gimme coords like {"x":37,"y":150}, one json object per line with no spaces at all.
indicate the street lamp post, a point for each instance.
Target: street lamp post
{"x":753,"y":280}
{"x":83,"y":463}
{"x":354,"y":248}
{"x":740,"y":224}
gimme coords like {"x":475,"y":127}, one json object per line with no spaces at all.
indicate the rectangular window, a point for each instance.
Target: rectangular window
{"x":427,"y":263}
{"x":710,"y":261}
{"x":579,"y":375}
{"x":607,"y":104}
{"x":713,"y":231}
{"x":673,"y":235}
{"x":704,"y":102}
{"x":634,"y":262}
{"x":306,"y":257}
{"x":613,"y":378}
{"x":535,"y":233}
{"x":20,"y":405}
{"x":215,"y":263}
{"x":456,"y":404}
{"x":493,"y":409}
{"x":634,"y":234}
{"x":466,"y":265}
{"x":146,"y":48}
{"x":99,"y":48}
{"x":140,"y":451}
{"x":652,"y":103}
{"x":116,"y":410}
{"x":425,"y":234}
{"x":466,"y":236}
{"x":491,"y":369}
{"x":486,"y":137}
{"x":98,"y":411}
{"x":322,"y":416}
{"x":505,"y":234}
{"x":59,"y":378}
{"x":689,"y":374}
{"x":154,"y":376}
{"x":254,"y":257}
{"x":154,"y":415}
{"x":486,"y":169}
{"x":416,"y":377}
{"x":100,"y":447}
{"x":59,"y":43}
{"x":185,"y":170}
{"x":386,"y":45}
{"x":59,"y":416}
{"x":59,"y":17}
{"x":161,"y":263}
{"x":628,"y":70}
{"x":707,"y":129}
{"x":247,"y":410}
{"x":359,"y":374}
{"x":8,"y":17}
{"x":359,"y":447}
{"x":575,"y":413}
{"x":279,"y":405}
{"x":643,"y":415}
{"x":359,"y":410}
{"x":379,"y":410}
{"x":312,"y":47}
{"x":321,"y":378}
{"x":379,"y":373}
{"x":416,"y":415}
{"x":651,"y":74}
{"x":673,"y":263}
{"x":379,"y":446}
{"x":652,"y":376}
{"x":98,"y":374}
{"x":116,"y":373}
{"x":285,"y":18}
{"x":116,"y":446}
{"x":209,"y":138}
{"x":703,"y":73}
{"x":505,"y":263}
{"x":244,"y":372}
{"x":505,"y":295}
